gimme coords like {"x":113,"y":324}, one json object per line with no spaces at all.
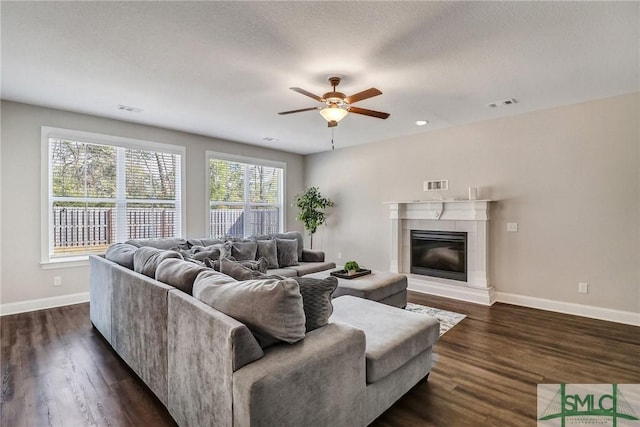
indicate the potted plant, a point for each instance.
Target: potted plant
{"x":351,"y":267}
{"x":311,"y":205}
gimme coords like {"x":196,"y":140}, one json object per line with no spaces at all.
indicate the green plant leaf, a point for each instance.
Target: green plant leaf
{"x":311,"y":205}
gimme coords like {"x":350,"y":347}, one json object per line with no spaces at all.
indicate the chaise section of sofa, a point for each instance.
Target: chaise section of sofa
{"x":218,"y":375}
{"x":316,"y":382}
{"x":205,"y":347}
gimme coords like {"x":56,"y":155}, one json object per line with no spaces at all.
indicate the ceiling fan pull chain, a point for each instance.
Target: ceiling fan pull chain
{"x":332,"y":146}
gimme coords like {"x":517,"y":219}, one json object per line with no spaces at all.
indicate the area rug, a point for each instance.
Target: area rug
{"x":447,"y":319}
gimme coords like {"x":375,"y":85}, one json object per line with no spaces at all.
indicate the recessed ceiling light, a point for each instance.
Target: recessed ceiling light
{"x":421,"y":122}
{"x":270,"y":139}
{"x":129,"y":108}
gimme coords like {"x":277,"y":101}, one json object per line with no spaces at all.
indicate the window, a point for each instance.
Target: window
{"x":102,"y":190}
{"x":245,"y":196}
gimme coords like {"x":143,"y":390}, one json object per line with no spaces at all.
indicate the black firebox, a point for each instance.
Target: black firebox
{"x":439,"y":254}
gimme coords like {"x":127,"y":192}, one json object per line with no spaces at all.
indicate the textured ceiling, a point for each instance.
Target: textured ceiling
{"x":223,"y":69}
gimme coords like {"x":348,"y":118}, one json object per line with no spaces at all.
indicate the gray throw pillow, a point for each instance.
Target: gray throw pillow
{"x":121,"y":253}
{"x":237,"y":270}
{"x":146,"y":260}
{"x":292,"y":235}
{"x":268,"y":250}
{"x":272,"y":309}
{"x":259,"y":265}
{"x":287,"y":252}
{"x":316,"y":297}
{"x":212,"y":252}
{"x":179,"y":274}
{"x":242,"y":251}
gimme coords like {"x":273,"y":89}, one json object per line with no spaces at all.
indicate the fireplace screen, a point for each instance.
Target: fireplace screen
{"x":439,"y":254}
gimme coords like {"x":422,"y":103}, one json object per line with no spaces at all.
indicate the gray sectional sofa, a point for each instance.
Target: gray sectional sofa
{"x":210,"y":369}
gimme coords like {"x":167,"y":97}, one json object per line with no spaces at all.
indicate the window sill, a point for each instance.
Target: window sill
{"x":68,"y":262}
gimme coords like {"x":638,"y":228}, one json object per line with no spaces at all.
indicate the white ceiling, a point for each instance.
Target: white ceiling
{"x":223,"y":69}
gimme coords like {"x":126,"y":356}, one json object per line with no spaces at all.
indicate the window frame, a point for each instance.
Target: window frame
{"x":46,"y":171}
{"x":250,"y":161}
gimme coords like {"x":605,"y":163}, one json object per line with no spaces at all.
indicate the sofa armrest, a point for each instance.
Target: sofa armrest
{"x":205,"y":346}
{"x":319,"y":381}
{"x":100,"y":294}
{"x":310,"y":255}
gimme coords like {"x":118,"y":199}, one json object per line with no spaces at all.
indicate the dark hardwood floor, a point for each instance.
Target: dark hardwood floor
{"x":58,"y":371}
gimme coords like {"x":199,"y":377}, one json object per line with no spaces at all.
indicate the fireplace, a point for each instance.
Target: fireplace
{"x":466,"y":218}
{"x":439,"y":254}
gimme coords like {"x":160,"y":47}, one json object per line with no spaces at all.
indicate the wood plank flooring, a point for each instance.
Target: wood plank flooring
{"x":56,"y":370}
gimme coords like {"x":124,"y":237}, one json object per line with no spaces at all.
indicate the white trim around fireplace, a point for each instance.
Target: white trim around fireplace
{"x":470,"y":216}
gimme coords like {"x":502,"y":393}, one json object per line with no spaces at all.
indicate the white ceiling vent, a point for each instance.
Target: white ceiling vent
{"x":440,"y":184}
{"x":502,"y":103}
{"x":129,"y":108}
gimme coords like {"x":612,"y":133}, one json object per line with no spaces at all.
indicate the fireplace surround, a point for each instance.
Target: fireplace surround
{"x":459,"y":216}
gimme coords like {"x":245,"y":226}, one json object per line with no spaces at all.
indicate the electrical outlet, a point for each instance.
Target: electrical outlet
{"x":583,"y":287}
{"x":339,"y":255}
{"x":57,"y":281}
{"x":512,"y":226}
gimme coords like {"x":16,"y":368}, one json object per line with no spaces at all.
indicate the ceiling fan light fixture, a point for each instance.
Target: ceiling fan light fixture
{"x":333,"y":113}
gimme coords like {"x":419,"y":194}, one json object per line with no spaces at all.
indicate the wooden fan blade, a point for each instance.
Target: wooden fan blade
{"x":299,"y":111}
{"x":369,"y":93}
{"x":307,"y":93}
{"x":371,"y":113}
{"x":332,"y":124}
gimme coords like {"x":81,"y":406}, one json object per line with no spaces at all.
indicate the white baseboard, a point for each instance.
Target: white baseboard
{"x":42,"y":303}
{"x":489,"y":296}
{"x":484,"y":296}
{"x":601,"y":313}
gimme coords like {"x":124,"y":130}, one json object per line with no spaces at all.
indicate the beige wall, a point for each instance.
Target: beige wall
{"x":23,"y":278}
{"x":568,"y":176}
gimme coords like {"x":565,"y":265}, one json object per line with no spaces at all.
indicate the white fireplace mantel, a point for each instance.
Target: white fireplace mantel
{"x":470,"y":216}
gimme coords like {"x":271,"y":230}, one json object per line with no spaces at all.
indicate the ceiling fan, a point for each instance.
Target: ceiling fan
{"x":336,"y":105}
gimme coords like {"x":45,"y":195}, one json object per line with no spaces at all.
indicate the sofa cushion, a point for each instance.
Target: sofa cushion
{"x":292,"y":235}
{"x":147,"y":259}
{"x":287,"y":252}
{"x":179,"y":274}
{"x":245,"y":250}
{"x":237,"y":270}
{"x":204,"y":242}
{"x":166,"y":243}
{"x":394,"y":336}
{"x":121,"y":253}
{"x":209,"y":278}
{"x":271,"y":308}
{"x":316,"y":299}
{"x":268,"y":250}
{"x":305,"y":268}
